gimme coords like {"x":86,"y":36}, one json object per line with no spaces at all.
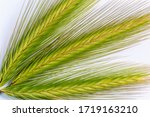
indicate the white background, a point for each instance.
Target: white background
{"x":6,"y":111}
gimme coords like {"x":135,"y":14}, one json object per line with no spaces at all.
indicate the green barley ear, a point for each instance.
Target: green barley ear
{"x":80,"y":86}
{"x":58,"y":52}
{"x":38,"y":32}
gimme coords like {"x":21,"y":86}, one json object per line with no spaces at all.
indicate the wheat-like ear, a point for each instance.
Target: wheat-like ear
{"x":77,"y":87}
{"x":30,"y":42}
{"x":50,"y":57}
{"x":73,"y":50}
